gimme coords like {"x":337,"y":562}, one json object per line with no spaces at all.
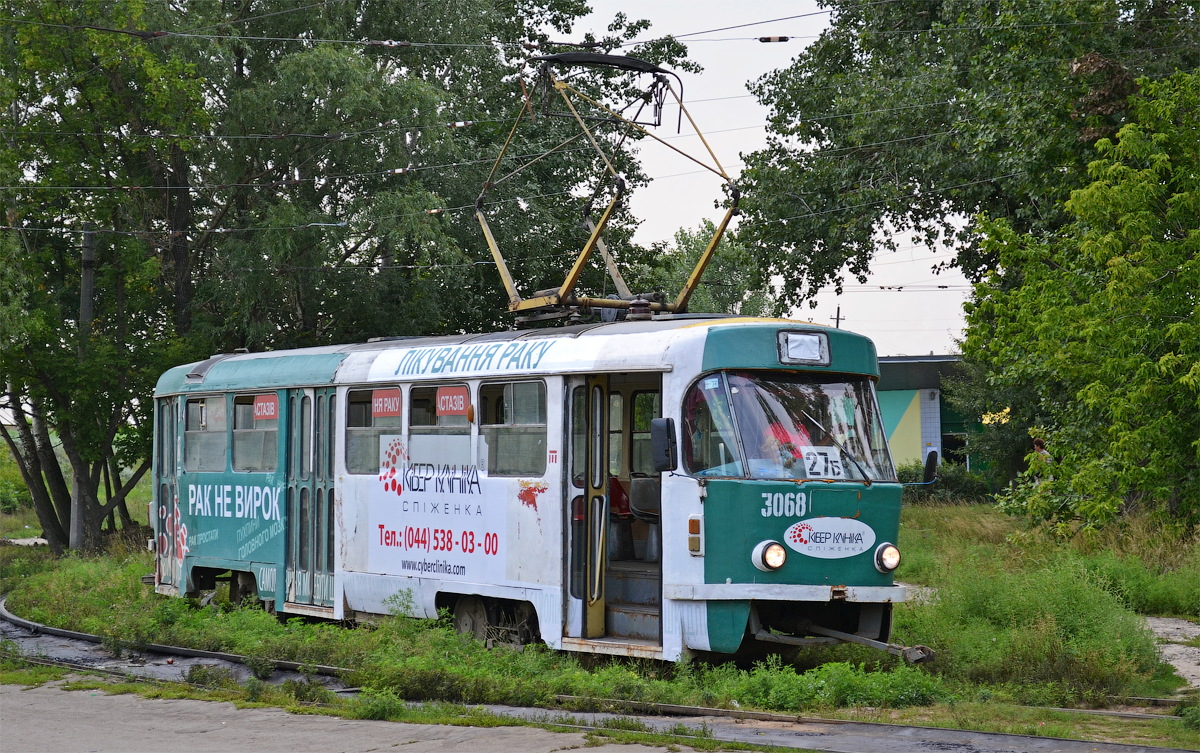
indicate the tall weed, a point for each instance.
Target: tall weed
{"x":1145,"y":589}
{"x":1053,"y":624}
{"x":835,"y":685}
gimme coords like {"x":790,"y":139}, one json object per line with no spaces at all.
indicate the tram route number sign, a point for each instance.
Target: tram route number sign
{"x":822,"y":462}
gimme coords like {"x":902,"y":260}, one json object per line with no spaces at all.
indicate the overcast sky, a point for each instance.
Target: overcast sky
{"x":919,"y":319}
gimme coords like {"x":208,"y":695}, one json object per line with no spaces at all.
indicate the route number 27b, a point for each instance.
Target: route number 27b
{"x":819,"y":464}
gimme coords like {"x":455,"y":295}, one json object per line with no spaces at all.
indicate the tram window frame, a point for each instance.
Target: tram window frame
{"x":438,"y":438}
{"x":205,"y":435}
{"x":578,"y":435}
{"x":616,"y":433}
{"x":364,"y":427}
{"x":512,"y":439}
{"x":641,"y":460}
{"x":257,"y":436}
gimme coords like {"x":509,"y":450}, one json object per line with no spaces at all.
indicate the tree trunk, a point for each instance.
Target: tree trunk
{"x":56,"y":483}
{"x":27,"y":457}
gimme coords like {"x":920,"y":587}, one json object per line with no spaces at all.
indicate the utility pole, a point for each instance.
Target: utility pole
{"x":837,"y":319}
{"x":87,"y":287}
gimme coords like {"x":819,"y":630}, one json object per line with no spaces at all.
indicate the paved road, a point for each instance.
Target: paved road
{"x":49,"y":720}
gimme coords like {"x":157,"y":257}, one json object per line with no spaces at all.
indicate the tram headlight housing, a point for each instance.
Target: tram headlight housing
{"x":769,"y":556}
{"x":887,"y":557}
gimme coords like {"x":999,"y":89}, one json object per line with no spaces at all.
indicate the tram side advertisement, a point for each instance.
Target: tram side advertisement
{"x":432,"y":520}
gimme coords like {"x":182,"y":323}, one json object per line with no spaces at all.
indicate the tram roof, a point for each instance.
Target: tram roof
{"x":333,"y":364}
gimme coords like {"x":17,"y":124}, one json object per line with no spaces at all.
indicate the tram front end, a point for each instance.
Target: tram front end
{"x":794,"y":540}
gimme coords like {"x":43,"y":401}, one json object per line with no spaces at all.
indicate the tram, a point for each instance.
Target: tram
{"x":658,"y":486}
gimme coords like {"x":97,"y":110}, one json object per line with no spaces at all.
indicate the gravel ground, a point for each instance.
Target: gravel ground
{"x":1171,"y":634}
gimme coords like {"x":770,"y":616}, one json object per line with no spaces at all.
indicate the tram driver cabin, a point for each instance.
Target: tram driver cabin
{"x":649,"y":488}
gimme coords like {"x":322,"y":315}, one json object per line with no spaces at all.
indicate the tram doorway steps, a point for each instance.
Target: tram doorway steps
{"x":634,"y":598}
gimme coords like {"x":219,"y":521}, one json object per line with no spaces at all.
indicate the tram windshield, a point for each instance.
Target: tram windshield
{"x":772,"y":425}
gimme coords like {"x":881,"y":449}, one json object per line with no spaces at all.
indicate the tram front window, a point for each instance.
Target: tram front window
{"x":784,"y":425}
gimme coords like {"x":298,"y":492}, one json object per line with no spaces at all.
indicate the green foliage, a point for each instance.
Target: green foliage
{"x":1053,"y":624}
{"x":955,"y":484}
{"x":210,"y":676}
{"x":256,"y":189}
{"x":901,"y":116}
{"x":837,"y":685}
{"x":1091,"y":338}
{"x":308,"y":691}
{"x":376,"y":704}
{"x":1189,"y":711}
{"x":731,"y":283}
{"x":1149,"y":588}
{"x":18,"y":563}
{"x":1191,"y":717}
{"x":14,"y":495}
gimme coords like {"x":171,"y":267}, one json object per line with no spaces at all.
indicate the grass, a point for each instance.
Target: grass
{"x":21,"y":523}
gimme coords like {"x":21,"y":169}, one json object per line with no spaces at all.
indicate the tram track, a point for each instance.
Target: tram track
{"x":49,"y":646}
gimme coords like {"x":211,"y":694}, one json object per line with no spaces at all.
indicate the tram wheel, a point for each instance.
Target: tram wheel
{"x":470,"y":617}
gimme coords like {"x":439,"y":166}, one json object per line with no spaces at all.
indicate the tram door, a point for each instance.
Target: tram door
{"x":588,"y":506}
{"x":310,"y":497}
{"x":167,"y":487}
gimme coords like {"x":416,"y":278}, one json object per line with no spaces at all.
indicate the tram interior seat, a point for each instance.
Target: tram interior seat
{"x":620,"y":520}
{"x":645,"y":502}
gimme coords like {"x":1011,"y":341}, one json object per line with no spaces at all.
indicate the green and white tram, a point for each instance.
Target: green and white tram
{"x":652,"y":487}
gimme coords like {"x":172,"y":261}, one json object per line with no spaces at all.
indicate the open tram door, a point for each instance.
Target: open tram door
{"x":611,"y":504}
{"x":587,"y":509}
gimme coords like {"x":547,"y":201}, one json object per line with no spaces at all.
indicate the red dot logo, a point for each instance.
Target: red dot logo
{"x":797,"y":533}
{"x":389,"y":475}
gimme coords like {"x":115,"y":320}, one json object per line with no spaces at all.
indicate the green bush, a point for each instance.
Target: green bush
{"x":1051,"y":624}
{"x":955,"y":484}
{"x":1146,"y":589}
{"x":14,"y":496}
{"x":839,"y":684}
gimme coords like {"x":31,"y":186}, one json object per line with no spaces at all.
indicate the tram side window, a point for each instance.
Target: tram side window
{"x":204,"y":438}
{"x":255,"y":432}
{"x":438,"y":425}
{"x":646,"y":406}
{"x":370,"y":414}
{"x":710,"y":446}
{"x":616,"y":432}
{"x":512,"y":431}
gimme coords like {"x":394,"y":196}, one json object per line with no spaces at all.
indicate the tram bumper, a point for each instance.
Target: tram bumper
{"x":911,"y":654}
{"x":808,"y":615}
{"x":773,"y":592}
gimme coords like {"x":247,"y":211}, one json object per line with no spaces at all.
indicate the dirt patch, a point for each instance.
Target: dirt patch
{"x":1172,"y":634}
{"x":31,"y":541}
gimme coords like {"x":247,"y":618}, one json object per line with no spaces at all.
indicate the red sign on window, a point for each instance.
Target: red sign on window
{"x":266,"y":407}
{"x":385,"y":403}
{"x":452,"y":401}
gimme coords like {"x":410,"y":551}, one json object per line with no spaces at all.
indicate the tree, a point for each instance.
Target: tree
{"x":731,"y":284}
{"x":1097,"y":329}
{"x":911,"y":116}
{"x":256,"y":176}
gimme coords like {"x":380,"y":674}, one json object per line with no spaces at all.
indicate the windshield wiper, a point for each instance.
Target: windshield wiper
{"x":837,"y":444}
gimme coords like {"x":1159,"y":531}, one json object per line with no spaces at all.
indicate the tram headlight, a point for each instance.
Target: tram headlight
{"x":887,"y":558}
{"x":769,"y":556}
